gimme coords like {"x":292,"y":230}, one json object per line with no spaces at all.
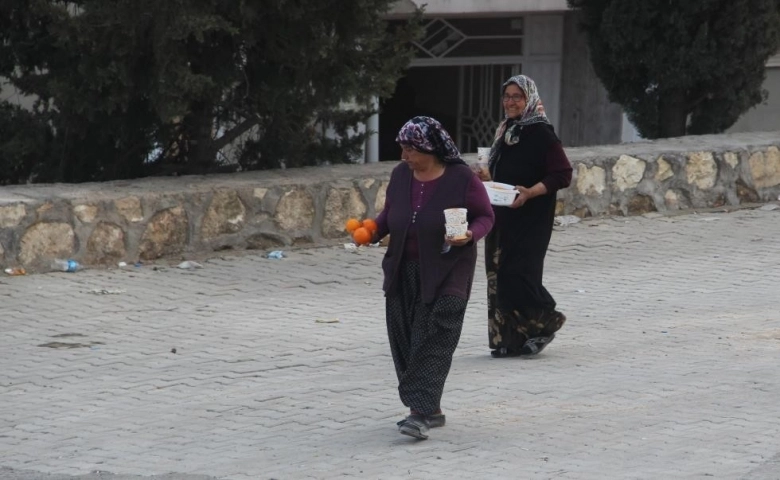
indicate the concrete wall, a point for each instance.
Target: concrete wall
{"x":172,"y":217}
{"x":761,"y":118}
{"x":587,"y":116}
{"x":764,"y":117}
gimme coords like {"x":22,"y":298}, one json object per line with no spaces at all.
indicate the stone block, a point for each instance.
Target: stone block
{"x":664,"y":170}
{"x":591,"y":181}
{"x":259,"y":193}
{"x":627,"y":172}
{"x":43,"y":209}
{"x":303,"y":240}
{"x":701,"y":170}
{"x":106,"y":244}
{"x":765,"y":168}
{"x":379,"y":202}
{"x":130,"y":209}
{"x":166,"y":234}
{"x":295,"y":210}
{"x":676,"y":200}
{"x":745,"y":193}
{"x":85,"y":213}
{"x":341,"y":204}
{"x":582,"y":212}
{"x":226,"y":214}
{"x":640,"y":204}
{"x":613,"y":209}
{"x":262,"y":241}
{"x":45,"y":241}
{"x":12,"y":215}
{"x":732,"y":159}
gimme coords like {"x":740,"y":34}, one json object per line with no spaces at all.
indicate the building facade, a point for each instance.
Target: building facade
{"x":471,"y":46}
{"x":764,"y":117}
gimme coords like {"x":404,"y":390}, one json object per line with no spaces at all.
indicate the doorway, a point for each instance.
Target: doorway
{"x":464,"y":98}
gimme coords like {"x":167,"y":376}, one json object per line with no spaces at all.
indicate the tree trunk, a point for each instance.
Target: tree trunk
{"x":200,"y":154}
{"x":673,"y":115}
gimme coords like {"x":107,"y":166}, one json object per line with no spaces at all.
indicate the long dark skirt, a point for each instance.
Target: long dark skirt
{"x":519,"y":307}
{"x":423,"y":338}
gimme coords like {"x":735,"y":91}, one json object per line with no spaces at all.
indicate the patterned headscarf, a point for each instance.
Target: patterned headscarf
{"x":427,"y":135}
{"x":509,"y":129}
{"x":534,"y":110}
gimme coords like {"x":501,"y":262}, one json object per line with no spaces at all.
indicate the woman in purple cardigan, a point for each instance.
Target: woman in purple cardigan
{"x":428,"y":276}
{"x":522,"y":318}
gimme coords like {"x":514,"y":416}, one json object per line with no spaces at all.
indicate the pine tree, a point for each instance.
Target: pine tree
{"x":681,"y":67}
{"x":133,"y":87}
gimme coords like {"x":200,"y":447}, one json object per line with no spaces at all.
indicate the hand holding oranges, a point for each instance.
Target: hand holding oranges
{"x":362,"y":232}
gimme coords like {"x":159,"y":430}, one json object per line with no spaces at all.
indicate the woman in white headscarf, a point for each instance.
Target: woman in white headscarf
{"x":522,"y":318}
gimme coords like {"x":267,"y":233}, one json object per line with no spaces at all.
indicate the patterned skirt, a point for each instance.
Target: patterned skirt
{"x":519,"y":307}
{"x":423,"y":338}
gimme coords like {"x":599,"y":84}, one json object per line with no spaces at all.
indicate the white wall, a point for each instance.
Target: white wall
{"x":764,"y":117}
{"x":9,"y":94}
{"x":761,"y":118}
{"x":629,"y":133}
{"x":544,"y":49}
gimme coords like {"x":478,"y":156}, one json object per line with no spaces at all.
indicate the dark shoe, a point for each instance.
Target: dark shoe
{"x":535,"y":345}
{"x":503,"y":352}
{"x":415,"y":426}
{"x":434,"y":420}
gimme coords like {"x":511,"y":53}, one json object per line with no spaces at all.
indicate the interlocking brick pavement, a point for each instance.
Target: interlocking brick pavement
{"x":667,"y":367}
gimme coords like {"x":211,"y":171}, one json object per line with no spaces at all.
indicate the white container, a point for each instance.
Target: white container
{"x":500,"y":194}
{"x":483,"y":159}
{"x":455,"y":216}
{"x":456,"y":231}
{"x":483,"y":154}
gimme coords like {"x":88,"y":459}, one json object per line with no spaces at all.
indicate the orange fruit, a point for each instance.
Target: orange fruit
{"x":361,"y":236}
{"x":370,"y":225}
{"x":352,"y":225}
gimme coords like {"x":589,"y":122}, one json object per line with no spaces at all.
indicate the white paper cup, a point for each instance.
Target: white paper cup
{"x":455,"y":216}
{"x":456,"y":231}
{"x":483,"y":154}
{"x":483,"y":158}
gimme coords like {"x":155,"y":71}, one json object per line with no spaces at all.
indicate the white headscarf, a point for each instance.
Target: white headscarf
{"x":509,"y":129}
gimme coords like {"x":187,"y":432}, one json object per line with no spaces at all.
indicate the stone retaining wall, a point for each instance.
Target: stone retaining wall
{"x":101,"y":224}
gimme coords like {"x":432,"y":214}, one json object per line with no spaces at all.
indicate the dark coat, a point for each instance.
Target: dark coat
{"x":440,"y":273}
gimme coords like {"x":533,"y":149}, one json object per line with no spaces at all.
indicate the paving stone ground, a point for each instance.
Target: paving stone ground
{"x":667,"y":367}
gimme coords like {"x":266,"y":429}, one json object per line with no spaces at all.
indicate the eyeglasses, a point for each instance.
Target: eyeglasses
{"x":515,"y":98}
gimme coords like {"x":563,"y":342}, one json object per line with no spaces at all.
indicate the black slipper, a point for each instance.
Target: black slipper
{"x":434,"y":420}
{"x":535,"y":345}
{"x":504,"y":353}
{"x":415,"y":426}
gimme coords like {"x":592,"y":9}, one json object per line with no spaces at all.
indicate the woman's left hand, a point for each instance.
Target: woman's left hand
{"x":523,"y":195}
{"x":459,"y":242}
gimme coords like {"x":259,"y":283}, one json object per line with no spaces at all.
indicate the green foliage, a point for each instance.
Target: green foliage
{"x":683,"y":67}
{"x":132,"y":88}
{"x":24,"y":139}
